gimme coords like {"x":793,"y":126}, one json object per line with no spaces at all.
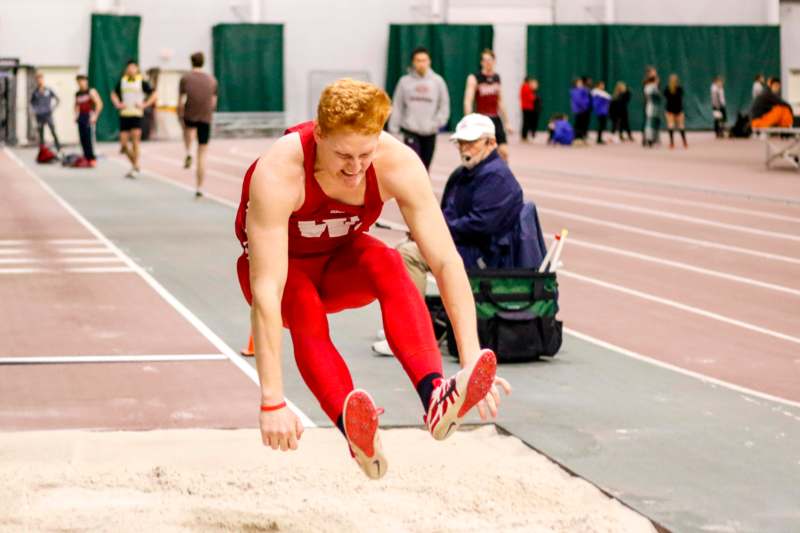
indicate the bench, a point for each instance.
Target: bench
{"x":248,"y":123}
{"x":781,"y":144}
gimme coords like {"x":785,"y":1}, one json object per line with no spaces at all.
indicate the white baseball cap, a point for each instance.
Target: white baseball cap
{"x":472,"y":127}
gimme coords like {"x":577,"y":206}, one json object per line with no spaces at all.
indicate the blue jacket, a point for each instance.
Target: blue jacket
{"x":482,"y":207}
{"x":563,"y":133}
{"x":524,"y":247}
{"x":580,"y":100}
{"x":601,"y":101}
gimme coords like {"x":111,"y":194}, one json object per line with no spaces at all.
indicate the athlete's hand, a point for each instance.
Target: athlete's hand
{"x":280,"y":429}
{"x":491,"y":402}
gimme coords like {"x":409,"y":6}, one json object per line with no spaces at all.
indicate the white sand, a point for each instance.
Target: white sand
{"x":212,"y":480}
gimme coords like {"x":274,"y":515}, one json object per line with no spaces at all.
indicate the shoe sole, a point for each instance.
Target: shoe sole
{"x":480,"y":381}
{"x":478,"y":384}
{"x":360,"y":419}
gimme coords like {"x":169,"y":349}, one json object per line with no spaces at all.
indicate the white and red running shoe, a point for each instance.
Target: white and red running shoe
{"x":360,"y":419}
{"x":453,"y":398}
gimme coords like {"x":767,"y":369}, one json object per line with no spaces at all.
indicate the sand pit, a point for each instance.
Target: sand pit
{"x":214,"y":480}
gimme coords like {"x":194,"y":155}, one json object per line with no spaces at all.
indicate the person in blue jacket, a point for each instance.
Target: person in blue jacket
{"x":561,"y":131}
{"x":581,"y":105}
{"x":601,"y":102}
{"x":481,"y":202}
{"x":483,"y":207}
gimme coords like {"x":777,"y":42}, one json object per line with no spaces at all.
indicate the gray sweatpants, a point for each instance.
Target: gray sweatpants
{"x":47,"y":120}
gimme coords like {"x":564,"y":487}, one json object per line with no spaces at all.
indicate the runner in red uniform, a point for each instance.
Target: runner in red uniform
{"x":306,"y":205}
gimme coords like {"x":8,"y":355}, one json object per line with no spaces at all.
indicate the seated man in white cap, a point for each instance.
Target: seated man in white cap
{"x":481,"y":204}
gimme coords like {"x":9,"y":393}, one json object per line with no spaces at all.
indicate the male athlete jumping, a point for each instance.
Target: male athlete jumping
{"x":306,"y":205}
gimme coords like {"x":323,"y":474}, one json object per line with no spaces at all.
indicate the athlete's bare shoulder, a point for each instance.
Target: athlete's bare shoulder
{"x":279,"y":176}
{"x":398,"y":168}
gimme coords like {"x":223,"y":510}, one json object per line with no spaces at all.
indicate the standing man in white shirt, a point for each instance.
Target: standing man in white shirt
{"x":131,"y":96}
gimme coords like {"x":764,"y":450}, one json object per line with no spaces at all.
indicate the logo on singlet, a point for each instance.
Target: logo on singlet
{"x":337,"y":227}
{"x":488,"y":89}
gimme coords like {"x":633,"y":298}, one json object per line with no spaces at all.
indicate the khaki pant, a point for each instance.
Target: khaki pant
{"x":415,"y":264}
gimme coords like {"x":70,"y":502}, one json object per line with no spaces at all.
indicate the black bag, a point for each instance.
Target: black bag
{"x":741,"y":128}
{"x":516,"y":311}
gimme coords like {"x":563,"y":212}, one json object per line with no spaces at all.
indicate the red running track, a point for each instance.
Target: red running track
{"x":68,"y":295}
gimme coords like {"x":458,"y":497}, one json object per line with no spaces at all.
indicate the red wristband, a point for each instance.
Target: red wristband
{"x":267,"y":408}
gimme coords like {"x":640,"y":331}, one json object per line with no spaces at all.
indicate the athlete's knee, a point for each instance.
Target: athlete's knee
{"x":382,"y":261}
{"x":304,"y":309}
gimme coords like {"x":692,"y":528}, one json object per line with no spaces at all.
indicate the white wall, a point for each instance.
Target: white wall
{"x":790,"y":48}
{"x":579,"y":11}
{"x":321,"y":35}
{"x":169,"y":36}
{"x":694,"y":12}
{"x":46,"y":32}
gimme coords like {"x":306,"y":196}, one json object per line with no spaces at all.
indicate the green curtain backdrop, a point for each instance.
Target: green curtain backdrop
{"x":248,"y":63}
{"x":621,"y":52}
{"x":559,"y":54}
{"x":696,"y":54}
{"x":455,"y":53}
{"x":114,"y":40}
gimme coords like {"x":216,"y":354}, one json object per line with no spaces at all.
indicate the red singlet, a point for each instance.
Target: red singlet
{"x":322,"y":224}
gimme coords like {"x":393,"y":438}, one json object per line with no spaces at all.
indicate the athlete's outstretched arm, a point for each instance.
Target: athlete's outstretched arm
{"x":405,"y":179}
{"x":274,"y":194}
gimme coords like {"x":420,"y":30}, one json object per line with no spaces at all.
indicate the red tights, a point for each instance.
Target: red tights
{"x":353,"y":276}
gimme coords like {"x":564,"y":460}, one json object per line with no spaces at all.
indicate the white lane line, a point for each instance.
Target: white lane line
{"x":209,"y":172}
{"x":79,"y":270}
{"x":212,"y":337}
{"x":111,"y":359}
{"x":57,"y":242}
{"x":14,"y":251}
{"x":23,"y":270}
{"x":679,"y":370}
{"x":669,"y":236}
{"x":72,"y":241}
{"x":673,"y":201}
{"x":682,"y":307}
{"x":83,"y":251}
{"x":19,"y":260}
{"x":99,"y":270}
{"x":111,"y":259}
{"x":685,"y":266}
{"x":663,"y":214}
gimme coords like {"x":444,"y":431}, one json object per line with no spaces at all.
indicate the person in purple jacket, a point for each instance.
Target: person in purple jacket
{"x":601,"y":102}
{"x":581,"y":105}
